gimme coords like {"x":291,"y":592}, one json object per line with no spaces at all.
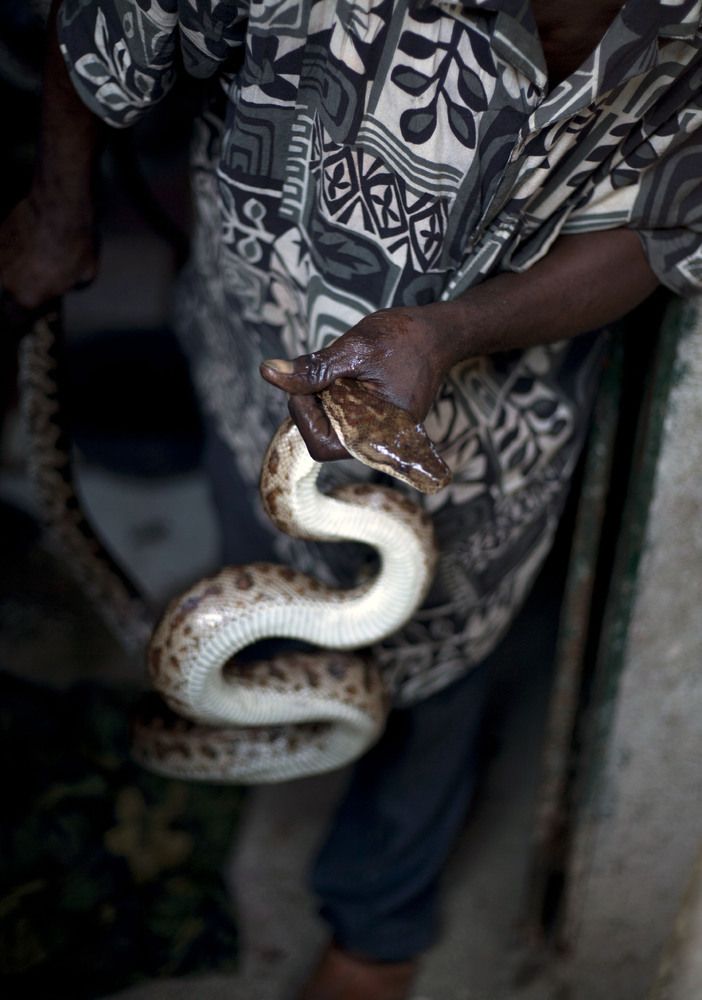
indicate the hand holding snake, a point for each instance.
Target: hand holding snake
{"x":401,"y":354}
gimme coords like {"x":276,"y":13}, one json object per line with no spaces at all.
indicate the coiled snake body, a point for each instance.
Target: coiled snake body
{"x":293,"y":715}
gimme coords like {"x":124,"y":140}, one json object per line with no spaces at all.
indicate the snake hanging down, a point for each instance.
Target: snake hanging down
{"x":295,"y":714}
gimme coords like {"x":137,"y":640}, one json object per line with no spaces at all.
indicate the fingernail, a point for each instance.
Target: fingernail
{"x":280,"y":365}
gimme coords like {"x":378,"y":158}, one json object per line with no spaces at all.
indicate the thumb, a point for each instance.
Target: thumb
{"x":309,"y":373}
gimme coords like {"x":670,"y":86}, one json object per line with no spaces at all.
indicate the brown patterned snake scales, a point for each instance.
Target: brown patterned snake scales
{"x":296,"y":714}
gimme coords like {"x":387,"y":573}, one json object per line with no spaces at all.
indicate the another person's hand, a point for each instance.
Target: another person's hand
{"x":396,"y":352}
{"x":47,"y":242}
{"x":45,"y":251}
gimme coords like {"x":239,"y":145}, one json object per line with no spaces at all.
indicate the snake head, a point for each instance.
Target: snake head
{"x":383,"y":436}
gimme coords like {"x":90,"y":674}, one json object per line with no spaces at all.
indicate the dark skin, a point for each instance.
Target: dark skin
{"x":47,"y":247}
{"x":47,"y":243}
{"x":569,"y":31}
{"x":405,"y":354}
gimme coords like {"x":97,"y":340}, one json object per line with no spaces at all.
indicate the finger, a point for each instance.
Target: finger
{"x":317,"y":433}
{"x":310,"y":373}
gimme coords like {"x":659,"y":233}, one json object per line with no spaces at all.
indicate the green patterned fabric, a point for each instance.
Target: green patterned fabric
{"x":108,"y":874}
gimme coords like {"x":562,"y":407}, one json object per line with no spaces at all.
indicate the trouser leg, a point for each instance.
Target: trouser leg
{"x":378,"y":870}
{"x":243,"y":539}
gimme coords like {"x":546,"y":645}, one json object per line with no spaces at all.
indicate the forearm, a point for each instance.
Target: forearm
{"x":584,"y":282}
{"x":47,"y":242}
{"x":69,"y":139}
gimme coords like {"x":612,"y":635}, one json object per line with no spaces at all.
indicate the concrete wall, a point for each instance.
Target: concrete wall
{"x":640,"y":820}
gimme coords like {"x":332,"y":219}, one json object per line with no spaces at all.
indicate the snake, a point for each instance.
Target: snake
{"x":298,"y":713}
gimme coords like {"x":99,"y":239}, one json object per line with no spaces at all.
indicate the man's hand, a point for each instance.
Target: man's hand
{"x":44,"y":253}
{"x":396,"y":352}
{"x":583,"y":283}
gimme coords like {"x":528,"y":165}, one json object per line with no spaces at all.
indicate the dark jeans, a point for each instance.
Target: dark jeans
{"x":378,"y":870}
{"x":377,"y":873}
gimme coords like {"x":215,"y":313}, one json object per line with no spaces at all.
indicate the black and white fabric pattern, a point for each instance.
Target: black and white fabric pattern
{"x":360,"y":154}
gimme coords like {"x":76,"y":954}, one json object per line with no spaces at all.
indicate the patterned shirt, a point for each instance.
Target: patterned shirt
{"x":359,"y":154}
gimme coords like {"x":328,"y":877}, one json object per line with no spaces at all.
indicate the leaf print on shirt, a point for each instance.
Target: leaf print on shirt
{"x":438,"y":72}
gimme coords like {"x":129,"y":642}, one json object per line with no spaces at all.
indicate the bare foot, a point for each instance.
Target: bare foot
{"x":342,"y":976}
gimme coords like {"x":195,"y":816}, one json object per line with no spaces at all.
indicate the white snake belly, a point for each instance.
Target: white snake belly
{"x":292,"y":715}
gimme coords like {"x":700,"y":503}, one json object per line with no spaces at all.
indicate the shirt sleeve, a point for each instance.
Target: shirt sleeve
{"x":667,"y":214}
{"x":122,"y":54}
{"x":662,"y":201}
